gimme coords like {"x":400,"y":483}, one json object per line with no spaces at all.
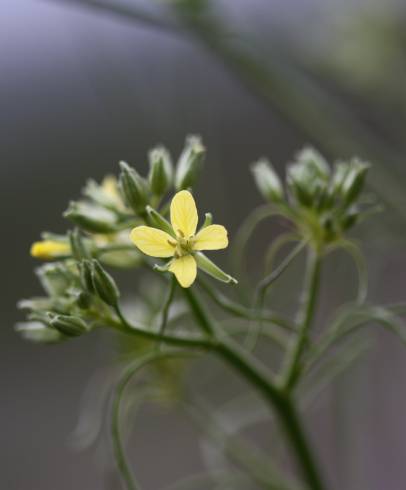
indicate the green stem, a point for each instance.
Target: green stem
{"x":262,"y":288}
{"x":294,"y":356}
{"x":198,"y":311}
{"x":241,"y":311}
{"x":297,"y":437}
{"x":118,"y":447}
{"x":125,"y":326}
{"x":254,"y":372}
{"x":165,"y":309}
{"x":246,"y":231}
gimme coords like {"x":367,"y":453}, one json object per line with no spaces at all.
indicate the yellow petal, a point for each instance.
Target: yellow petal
{"x":213,"y":237}
{"x":49,"y":249}
{"x":185,"y":270}
{"x":152,"y":241}
{"x":184,"y":214}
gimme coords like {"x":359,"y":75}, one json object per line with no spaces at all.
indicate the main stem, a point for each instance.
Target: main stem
{"x":258,"y":375}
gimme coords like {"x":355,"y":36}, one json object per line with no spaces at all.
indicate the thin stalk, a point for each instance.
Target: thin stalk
{"x":246,"y":231}
{"x":166,"y":307}
{"x":241,"y":311}
{"x":275,"y":247}
{"x":294,"y":355}
{"x":262,"y":288}
{"x":119,"y":453}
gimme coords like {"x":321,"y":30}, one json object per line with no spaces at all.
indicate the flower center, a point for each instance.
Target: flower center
{"x":184,"y":246}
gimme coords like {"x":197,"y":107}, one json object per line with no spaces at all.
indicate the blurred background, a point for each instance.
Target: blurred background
{"x":85,"y":84}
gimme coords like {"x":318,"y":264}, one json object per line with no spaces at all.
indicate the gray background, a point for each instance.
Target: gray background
{"x":81,"y":90}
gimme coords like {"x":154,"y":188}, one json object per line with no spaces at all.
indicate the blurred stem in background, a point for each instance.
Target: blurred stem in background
{"x":278,"y":81}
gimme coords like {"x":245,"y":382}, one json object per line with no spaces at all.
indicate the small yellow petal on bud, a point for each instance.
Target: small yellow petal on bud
{"x":49,"y":249}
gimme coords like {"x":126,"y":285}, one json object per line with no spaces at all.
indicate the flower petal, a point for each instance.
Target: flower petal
{"x":213,"y":237}
{"x":184,"y":214}
{"x":185,"y":270}
{"x":152,"y":241}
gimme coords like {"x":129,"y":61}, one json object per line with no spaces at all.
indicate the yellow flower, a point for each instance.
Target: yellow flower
{"x":184,"y":219}
{"x":49,"y":249}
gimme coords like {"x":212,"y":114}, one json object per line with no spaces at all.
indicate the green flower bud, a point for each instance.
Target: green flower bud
{"x":350,"y":218}
{"x":69,"y":325}
{"x":91,"y":218}
{"x":307,"y":178}
{"x":133,"y":188}
{"x":267,"y":181}
{"x":83,"y":300}
{"x":104,"y":284}
{"x":85,"y":274}
{"x":190,"y":163}
{"x":206,"y":265}
{"x":340,"y":173}
{"x":354,"y":181}
{"x":77,"y":244}
{"x":300,"y":185}
{"x":314,"y":162}
{"x":38,"y":332}
{"x":160,"y":171}
{"x":158,"y":221}
{"x":122,"y":258}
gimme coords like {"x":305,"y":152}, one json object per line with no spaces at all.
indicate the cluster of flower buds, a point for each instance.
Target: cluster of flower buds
{"x":79,"y":290}
{"x":323,"y":202}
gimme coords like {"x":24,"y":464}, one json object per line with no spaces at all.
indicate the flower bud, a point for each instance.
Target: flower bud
{"x":300,"y":185}
{"x":79,"y":249}
{"x":69,"y":325}
{"x":340,"y":173}
{"x":206,"y":265}
{"x":354,"y":180}
{"x":85,"y":275}
{"x":314,"y":161}
{"x":190,"y":163}
{"x":160,"y":171}
{"x":49,"y":249}
{"x":158,"y":221}
{"x":104,"y":284}
{"x":91,"y":218}
{"x":267,"y":181}
{"x":38,"y":332}
{"x":83,"y":300}
{"x":308,"y":177}
{"x":351,"y":217}
{"x":133,"y":188}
